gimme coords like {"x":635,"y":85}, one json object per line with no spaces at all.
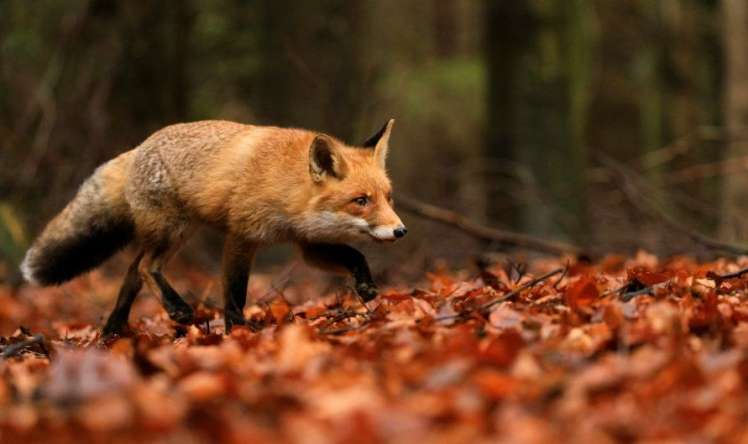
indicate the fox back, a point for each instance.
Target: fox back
{"x":265,"y":183}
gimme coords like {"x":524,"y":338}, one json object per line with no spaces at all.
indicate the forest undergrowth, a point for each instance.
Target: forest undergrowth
{"x":621,"y":349}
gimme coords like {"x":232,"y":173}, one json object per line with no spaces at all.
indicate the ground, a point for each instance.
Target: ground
{"x":623,"y":349}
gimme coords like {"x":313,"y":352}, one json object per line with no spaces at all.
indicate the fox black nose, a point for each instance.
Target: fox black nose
{"x":400,"y":232}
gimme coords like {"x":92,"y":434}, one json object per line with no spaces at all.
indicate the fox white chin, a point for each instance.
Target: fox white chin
{"x":383,"y":234}
{"x":330,"y":227}
{"x":377,"y":233}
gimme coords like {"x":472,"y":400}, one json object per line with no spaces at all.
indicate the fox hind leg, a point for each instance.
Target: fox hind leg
{"x":117,"y":321}
{"x":150,"y":270}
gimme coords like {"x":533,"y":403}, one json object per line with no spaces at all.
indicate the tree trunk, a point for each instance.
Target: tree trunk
{"x":313,"y":72}
{"x":507,"y":36}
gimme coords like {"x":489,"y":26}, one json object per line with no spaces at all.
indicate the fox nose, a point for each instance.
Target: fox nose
{"x":400,"y":232}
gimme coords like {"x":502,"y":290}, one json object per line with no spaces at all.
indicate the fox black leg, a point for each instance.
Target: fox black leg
{"x":237,"y":261}
{"x":178,"y":310}
{"x":117,"y":321}
{"x":338,"y":256}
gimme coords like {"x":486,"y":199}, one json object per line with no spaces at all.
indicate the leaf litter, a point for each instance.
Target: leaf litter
{"x":620,"y":350}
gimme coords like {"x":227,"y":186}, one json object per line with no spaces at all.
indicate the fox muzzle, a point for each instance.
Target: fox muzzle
{"x":388,"y":233}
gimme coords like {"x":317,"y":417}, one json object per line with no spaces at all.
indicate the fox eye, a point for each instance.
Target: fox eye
{"x":361,"y":200}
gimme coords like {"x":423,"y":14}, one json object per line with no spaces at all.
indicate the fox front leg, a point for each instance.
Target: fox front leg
{"x":237,"y":261}
{"x":339,"y":257}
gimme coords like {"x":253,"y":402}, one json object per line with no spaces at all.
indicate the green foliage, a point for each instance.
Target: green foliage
{"x":13,"y":238}
{"x":448,"y":91}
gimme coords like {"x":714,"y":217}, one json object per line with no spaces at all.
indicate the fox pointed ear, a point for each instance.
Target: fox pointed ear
{"x":325,"y":159}
{"x":381,"y":142}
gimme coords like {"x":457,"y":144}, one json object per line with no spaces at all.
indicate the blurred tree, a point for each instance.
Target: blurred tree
{"x":735,"y":198}
{"x":499,"y":103}
{"x":508,"y":30}
{"x":313,"y":71}
{"x":539,"y":59}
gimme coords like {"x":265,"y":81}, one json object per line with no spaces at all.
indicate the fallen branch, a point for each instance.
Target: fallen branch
{"x":637,"y":199}
{"x":483,"y":232}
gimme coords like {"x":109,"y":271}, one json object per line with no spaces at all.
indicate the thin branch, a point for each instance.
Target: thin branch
{"x":482,"y":232}
{"x":718,"y":279}
{"x":16,"y":348}
{"x":638,"y":199}
{"x":682,"y":145}
{"x":563,"y":275}
{"x":485,"y":307}
{"x":326,"y":330}
{"x":735,"y":165}
{"x":521,"y":288}
{"x":627,"y":296}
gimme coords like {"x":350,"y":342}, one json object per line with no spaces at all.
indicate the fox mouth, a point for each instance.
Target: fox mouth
{"x":374,"y":237}
{"x":372,"y":231}
{"x":382,"y":240}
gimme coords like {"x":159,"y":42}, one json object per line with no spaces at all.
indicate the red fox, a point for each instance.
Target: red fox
{"x":258,"y":184}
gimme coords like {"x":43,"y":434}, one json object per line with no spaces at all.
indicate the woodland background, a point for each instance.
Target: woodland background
{"x":509,"y":112}
{"x":611,"y":125}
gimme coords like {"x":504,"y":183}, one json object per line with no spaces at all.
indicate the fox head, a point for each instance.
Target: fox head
{"x":353,"y":195}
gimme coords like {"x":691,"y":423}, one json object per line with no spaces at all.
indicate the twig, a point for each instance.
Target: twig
{"x":627,"y":296}
{"x":718,"y":279}
{"x":341,"y":316}
{"x":507,"y":296}
{"x":735,"y":165}
{"x":682,"y":145}
{"x":361,"y":300}
{"x":563,"y":275}
{"x":636,"y":198}
{"x":483,"y":232}
{"x":14,"y":349}
{"x":284,"y":278}
{"x":518,"y":290}
{"x":336,"y":331}
{"x":341,"y":330}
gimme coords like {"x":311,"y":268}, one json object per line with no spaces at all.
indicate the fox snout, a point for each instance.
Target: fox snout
{"x":388,"y":232}
{"x":390,"y":227}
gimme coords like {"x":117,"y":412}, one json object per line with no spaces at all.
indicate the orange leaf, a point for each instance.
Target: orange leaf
{"x":279,"y":309}
{"x":495,"y":385}
{"x":582,"y":293}
{"x":648,"y":278}
{"x":502,"y":350}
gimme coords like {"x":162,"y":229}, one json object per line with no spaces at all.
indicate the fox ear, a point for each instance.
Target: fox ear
{"x":325,"y":159}
{"x":381,"y":142}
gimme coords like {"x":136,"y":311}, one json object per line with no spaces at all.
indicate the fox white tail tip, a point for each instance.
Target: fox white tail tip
{"x":27,"y":271}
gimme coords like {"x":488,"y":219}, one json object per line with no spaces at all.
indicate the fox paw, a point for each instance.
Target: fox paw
{"x":367,"y":291}
{"x":231,"y":320}
{"x":112,"y":332}
{"x":182,"y":315}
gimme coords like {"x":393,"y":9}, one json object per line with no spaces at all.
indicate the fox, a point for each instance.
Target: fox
{"x":259,"y":185}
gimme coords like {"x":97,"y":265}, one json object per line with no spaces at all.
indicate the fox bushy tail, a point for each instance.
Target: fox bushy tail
{"x":92,"y":227}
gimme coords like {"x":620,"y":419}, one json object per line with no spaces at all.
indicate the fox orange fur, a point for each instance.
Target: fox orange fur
{"x":258,"y":184}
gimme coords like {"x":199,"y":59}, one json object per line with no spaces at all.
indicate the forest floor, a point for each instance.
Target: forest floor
{"x":624,"y":349}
